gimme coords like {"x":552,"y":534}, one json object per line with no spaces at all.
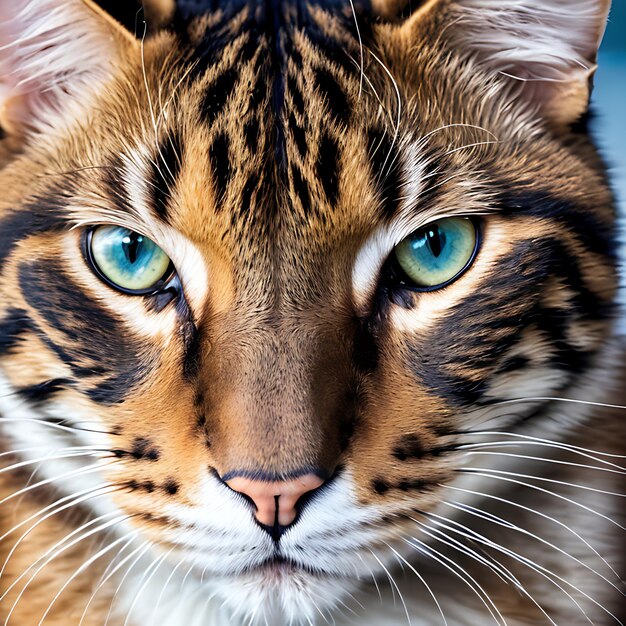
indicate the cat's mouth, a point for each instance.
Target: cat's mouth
{"x":278,"y":567}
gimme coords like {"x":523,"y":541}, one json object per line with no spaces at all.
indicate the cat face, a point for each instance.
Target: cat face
{"x":285,"y":273}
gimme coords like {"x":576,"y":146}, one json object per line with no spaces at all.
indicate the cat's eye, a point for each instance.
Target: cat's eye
{"x":127,"y":260}
{"x":437,"y":254}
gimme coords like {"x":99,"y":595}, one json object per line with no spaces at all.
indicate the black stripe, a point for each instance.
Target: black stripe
{"x":296,"y":95}
{"x":93,"y":341}
{"x":217,"y":94}
{"x":42,"y":392}
{"x":597,"y":235}
{"x":165,"y":171}
{"x":219,"y":153}
{"x":40,"y":215}
{"x":386,"y":170}
{"x":299,"y":136}
{"x":327,"y":168}
{"x":301,"y":188}
{"x":13,"y":327}
{"x":335,"y":97}
{"x":251,"y":134}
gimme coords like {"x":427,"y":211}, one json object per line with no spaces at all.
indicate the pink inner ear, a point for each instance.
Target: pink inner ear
{"x":53,"y":55}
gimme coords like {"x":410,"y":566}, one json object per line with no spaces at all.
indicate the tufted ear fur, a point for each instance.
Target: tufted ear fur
{"x":547,"y":49}
{"x":53,"y":55}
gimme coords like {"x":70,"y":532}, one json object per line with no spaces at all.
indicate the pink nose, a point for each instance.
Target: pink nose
{"x":272,"y":498}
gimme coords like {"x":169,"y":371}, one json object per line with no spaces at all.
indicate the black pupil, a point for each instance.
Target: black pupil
{"x":435,"y":239}
{"x":131,"y":245}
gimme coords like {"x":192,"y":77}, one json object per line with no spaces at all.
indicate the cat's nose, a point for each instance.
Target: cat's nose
{"x":275,"y":501}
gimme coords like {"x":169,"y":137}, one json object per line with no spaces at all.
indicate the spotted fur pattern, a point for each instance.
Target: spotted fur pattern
{"x":277,"y":152}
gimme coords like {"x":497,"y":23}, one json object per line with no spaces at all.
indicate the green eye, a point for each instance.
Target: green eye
{"x":127,"y":260}
{"x":438,"y":253}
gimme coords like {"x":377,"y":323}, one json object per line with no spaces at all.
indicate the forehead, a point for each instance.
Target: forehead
{"x":282,"y":136}
{"x":268,"y":120}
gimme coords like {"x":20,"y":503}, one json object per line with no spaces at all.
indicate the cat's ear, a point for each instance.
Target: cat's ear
{"x":53,"y":55}
{"x":547,"y":49}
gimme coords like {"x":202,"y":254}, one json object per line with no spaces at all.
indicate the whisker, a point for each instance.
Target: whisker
{"x":373,"y":577}
{"x":488,"y":561}
{"x":542,"y":515}
{"x":547,"y":444}
{"x":567,"y":446}
{"x":472,"y":535}
{"x":527,"y":533}
{"x":455,"y":125}
{"x":544,"y":460}
{"x":108,"y":574}
{"x":490,"y":517}
{"x":146,"y":547}
{"x":162,"y":593}
{"x":358,"y":34}
{"x":552,"y":493}
{"x":55,"y":425}
{"x":56,"y":550}
{"x":478,"y":470}
{"x":394,"y":586}
{"x":76,"y":499}
{"x":462,"y":574}
{"x":422,"y":580}
{"x":51,"y":457}
{"x":399,"y":102}
{"x":81,"y":569}
{"x":76,"y":472}
{"x":148,"y":575}
{"x":555,"y":399}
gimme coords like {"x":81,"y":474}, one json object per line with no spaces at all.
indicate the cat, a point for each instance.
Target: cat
{"x":307,"y":316}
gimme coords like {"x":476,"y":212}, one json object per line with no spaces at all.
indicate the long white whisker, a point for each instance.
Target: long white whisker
{"x":81,"y":569}
{"x":53,"y":425}
{"x":395,"y":586}
{"x":76,"y":499}
{"x":145,"y":546}
{"x":59,"y":548}
{"x":399,"y":101}
{"x":423,"y":138}
{"x":108,"y":574}
{"x":162,"y":593}
{"x":472,"y":535}
{"x":523,"y":531}
{"x":373,"y":577}
{"x":358,"y":34}
{"x":553,"y":445}
{"x":495,"y":519}
{"x":51,"y":457}
{"x":495,"y":566}
{"x":76,"y":472}
{"x":148,"y":575}
{"x":552,"y":493}
{"x":565,"y":446}
{"x":554,"y":399}
{"x":478,"y":470}
{"x":544,"y":460}
{"x":422,"y":580}
{"x":462,"y":575}
{"x":544,"y":516}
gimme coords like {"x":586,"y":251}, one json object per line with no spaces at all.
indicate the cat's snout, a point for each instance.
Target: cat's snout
{"x":275,"y":501}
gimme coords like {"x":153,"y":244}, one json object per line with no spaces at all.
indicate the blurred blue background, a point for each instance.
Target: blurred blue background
{"x":609,"y":98}
{"x":609,"y":105}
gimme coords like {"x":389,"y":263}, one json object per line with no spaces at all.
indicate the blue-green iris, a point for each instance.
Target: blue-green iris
{"x":127,"y":259}
{"x":437,"y":253}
